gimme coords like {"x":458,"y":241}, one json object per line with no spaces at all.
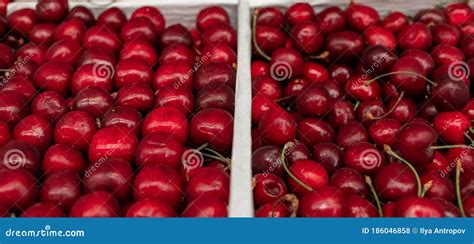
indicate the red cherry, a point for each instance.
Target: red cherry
{"x":13,"y":107}
{"x":312,"y":131}
{"x":49,"y":105}
{"x":468,"y":110}
{"x":376,"y":35}
{"x":34,"y":130}
{"x":344,"y":46}
{"x":313,"y":101}
{"x":221,"y":97}
{"x":266,"y":160}
{"x":450,"y":94}
{"x":219,"y":53}
{"x":99,"y":37}
{"x":137,"y":96}
{"x":266,"y":86}
{"x":18,"y":189}
{"x":138,"y":28}
{"x":414,"y":141}
{"x":22,"y":20}
{"x":383,"y":131}
{"x":166,"y":119}
{"x":54,"y":76}
{"x":61,"y":157}
{"x":358,"y":207}
{"x":27,"y":52}
{"x":439,"y":186}
{"x":329,"y":155}
{"x":467,"y":46}
{"x":99,"y":57}
{"x":153,"y":14}
{"x":214,"y":73}
{"x":458,"y":13}
{"x":99,"y":75}
{"x":20,"y":84}
{"x":351,"y":133}
{"x":129,"y":71}
{"x":395,"y":181}
{"x":449,"y":209}
{"x":177,"y":53}
{"x":416,"y":36}
{"x":446,"y":54}
{"x":268,"y":39}
{"x":95,"y":204}
{"x":350,"y":182}
{"x":414,"y":206}
{"x":464,"y":155}
{"x":123,"y":117}
{"x":423,"y":58}
{"x":307,"y":37}
{"x":211,"y":16}
{"x":71,"y":29}
{"x":113,"y":18}
{"x":4,"y":134}
{"x":395,"y":21}
{"x":93,"y":100}
{"x":439,"y":164}
{"x":325,"y":202}
{"x":331,"y":19}
{"x":214,"y":126}
{"x":309,"y":172}
{"x":113,"y":142}
{"x":451,"y":126}
{"x":83,"y":14}
{"x":52,"y":10}
{"x":277,"y":127}
{"x":20,"y":154}
{"x":468,"y":206}
{"x":181,"y":98}
{"x":446,"y":34}
{"x":358,"y":87}
{"x":208,"y":182}
{"x":409,"y":77}
{"x":286,"y":63}
{"x":176,"y":34}
{"x":341,"y":113}
{"x":361,"y":17}
{"x":294,"y":87}
{"x":43,"y":210}
{"x":364,"y":157}
{"x":139,"y":49}
{"x":270,"y":16}
{"x":404,"y":111}
{"x":299,"y":12}
{"x":150,"y":208}
{"x":159,"y":149}
{"x":430,"y":17}
{"x":75,"y":128}
{"x":315,"y":73}
{"x":64,"y":51}
{"x":172,"y":74}
{"x":206,"y":208}
{"x":222,"y":33}
{"x":267,"y":188}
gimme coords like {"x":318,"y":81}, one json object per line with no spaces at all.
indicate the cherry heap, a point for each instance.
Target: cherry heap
{"x":115,"y":116}
{"x":355,"y":115}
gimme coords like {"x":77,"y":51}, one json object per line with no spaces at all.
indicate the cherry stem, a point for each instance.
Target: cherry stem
{"x":254,"y":37}
{"x":294,"y":204}
{"x":447,"y":147}
{"x":283,"y":98}
{"x":374,"y":193}
{"x":323,"y":55}
{"x":371,"y":116}
{"x":202,"y":146}
{"x":426,"y":188}
{"x":283,"y":163}
{"x":458,"y":187}
{"x":390,"y":152}
{"x":217,"y":156}
{"x":356,"y":105}
{"x":400,"y":72}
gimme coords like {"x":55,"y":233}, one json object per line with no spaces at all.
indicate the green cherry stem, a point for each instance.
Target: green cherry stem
{"x":426,"y":188}
{"x":367,"y":82}
{"x":371,"y":116}
{"x":447,"y":147}
{"x":254,"y":37}
{"x":283,"y":163}
{"x":374,"y":193}
{"x":458,"y":188}
{"x":390,"y":152}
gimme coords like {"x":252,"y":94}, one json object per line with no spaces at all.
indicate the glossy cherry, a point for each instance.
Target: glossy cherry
{"x":95,"y":204}
{"x":214,"y":126}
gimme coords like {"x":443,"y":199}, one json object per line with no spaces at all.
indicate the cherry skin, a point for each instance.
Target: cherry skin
{"x":221,"y":97}
{"x":446,"y":34}
{"x":13,"y":107}
{"x":137,"y":96}
{"x":468,"y":110}
{"x":350,"y":182}
{"x":277,"y":127}
{"x":312,"y":131}
{"x":19,"y":154}
{"x":270,"y":16}
{"x":75,"y":128}
{"x":49,"y":105}
{"x":95,"y":204}
{"x":214,"y":126}
{"x":409,"y":78}
{"x":414,"y":141}
{"x":357,"y":87}
{"x":181,"y":98}
{"x":272,"y":210}
{"x":150,"y":208}
{"x":18,"y":188}
{"x":93,"y":100}
{"x":99,"y":57}
{"x":395,"y":21}
{"x":21,"y":84}
{"x":22,"y":20}
{"x":153,"y":15}
{"x":307,"y":37}
{"x":5,"y":134}
{"x":299,"y":12}
{"x":113,"y":142}
{"x":383,"y":131}
{"x":329,"y":155}
{"x":423,"y":58}
{"x":450,"y":94}
{"x":52,"y":10}
{"x":468,"y":206}
{"x":123,"y":117}
{"x":440,"y":187}
{"x":416,"y":35}
{"x":359,"y":207}
{"x":54,"y":76}
{"x":129,"y":71}
{"x":310,"y":173}
{"x":99,"y":37}
{"x":205,"y":208}
{"x":439,"y":164}
{"x":43,"y":210}
{"x":92,"y":75}
{"x":159,"y":182}
{"x":166,"y":119}
{"x":463,"y":155}
{"x":341,"y":73}
{"x":378,"y":59}
{"x":222,"y":33}
{"x":42,"y":33}
{"x":172,"y":74}
{"x":159,"y":149}
{"x":208,"y":182}
{"x":220,"y":53}
{"x":331,"y":19}
{"x":351,"y":133}
{"x":109,"y":174}
{"x":139,"y":49}
{"x":457,"y":13}
{"x":71,"y":29}
{"x":361,"y":17}
{"x":294,"y":87}
{"x":266,"y":159}
{"x":364,"y":157}
{"x":395,"y":181}
{"x":259,"y":68}
{"x":176,"y":53}
{"x":83,"y":14}
{"x":28,"y":52}
{"x":449,"y":209}
{"x":267,"y":86}
{"x":414,"y":206}
{"x":287,"y":63}
{"x":341,"y":113}
{"x":214,"y":73}
{"x":63,"y":51}
{"x":313,"y":101}
{"x":325,"y":202}
{"x":404,"y":111}
{"x":61,"y":157}
{"x":112,"y":18}
{"x":267,"y":188}
{"x":344,"y":46}
{"x":430,"y":17}
{"x":445,"y":54}
{"x":211,"y":16}
{"x":451,"y":126}
{"x":34,"y":130}
{"x":138,"y":28}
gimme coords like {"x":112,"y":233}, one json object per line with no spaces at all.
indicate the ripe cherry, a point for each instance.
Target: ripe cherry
{"x":19,"y":154}
{"x":75,"y":128}
{"x":211,"y":16}
{"x":277,"y":127}
{"x":313,"y":101}
{"x":34,"y":130}
{"x":383,"y":131}
{"x":395,"y":181}
{"x":344,"y":46}
{"x":266,"y":159}
{"x":52,"y":10}
{"x":112,"y":18}
{"x":450,"y":94}
{"x":43,"y":210}
{"x":331,"y":19}
{"x":150,"y":208}
{"x":18,"y":188}
{"x":267,"y":188}
{"x":137,"y":96}
{"x":351,"y":133}
{"x":123,"y":117}
{"x":139,"y":49}
{"x":451,"y":126}
{"x":361,"y":17}
{"x":214,"y":73}
{"x":159,"y":149}
{"x":414,"y":206}
{"x":299,"y":12}
{"x":312,"y":174}
{"x":95,"y":204}
{"x":166,"y":119}
{"x":414,"y":142}
{"x":22,"y":20}
{"x":83,"y":14}
{"x":93,"y":100}
{"x":208,"y":182}
{"x":395,"y":21}
{"x":350,"y":182}
{"x":312,"y":131}
{"x":153,"y":15}
{"x":416,"y":35}
{"x":13,"y":107}
{"x":221,"y":97}
{"x":307,"y":37}
{"x":213,"y":126}
{"x":358,"y":207}
{"x":206,"y":208}
{"x":129,"y":71}
{"x":325,"y":202}
{"x":99,"y":37}
{"x":54,"y":76}
{"x":113,"y":142}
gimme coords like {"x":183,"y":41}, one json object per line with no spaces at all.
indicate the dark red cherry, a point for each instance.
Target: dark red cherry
{"x":438,"y":164}
{"x":112,"y":18}
{"x":175,"y":34}
{"x":364,"y":157}
{"x":446,"y":54}
{"x":404,"y":111}
{"x":208,"y":182}
{"x":99,"y":37}
{"x":450,"y":94}
{"x":150,"y":208}
{"x":286,"y":63}
{"x":129,"y":71}
{"x":311,"y":173}
{"x":20,"y":84}
{"x":331,"y":19}
{"x":93,"y":100}
{"x":43,"y":210}
{"x":266,"y":86}
{"x":270,"y":16}
{"x":329,"y":155}
{"x":82,"y":13}
{"x":395,"y":21}
{"x":222,"y":33}
{"x":159,"y":149}
{"x":414,"y":206}
{"x":214,"y":73}
{"x":414,"y":142}
{"x":168,"y":120}
{"x":174,"y":74}
{"x":61,"y":157}
{"x":266,"y":160}
{"x":363,"y":89}
{"x":64,"y":51}
{"x":211,"y":16}
{"x":294,"y":87}
{"x":97,"y":56}
{"x":350,"y":182}
{"x":325,"y":202}
{"x":312,"y":131}
{"x":439,"y":186}
{"x":360,"y":17}
{"x":315,"y":73}
{"x":75,"y":128}
{"x":19,"y":154}
{"x":451,"y":126}
{"x":109,"y":174}
{"x":54,"y":76}
{"x":269,"y":39}
{"x":358,"y":207}
{"x":464,"y":155}
{"x":49,"y":105}
{"x":313,"y":101}
{"x":219,"y":53}
{"x":34,"y":130}
{"x":113,"y":142}
{"x":467,"y":46}
{"x":259,"y":68}
{"x":395,"y":181}
{"x":341,"y":73}
{"x":99,"y":75}
{"x":138,"y":96}
{"x":449,"y":209}
{"x":95,"y":204}
{"x":18,"y":189}
{"x":221,"y":97}
{"x":383,"y":131}
{"x":138,"y":28}
{"x":307,"y":37}
{"x":139,"y":49}
{"x":206,"y":208}
{"x":214,"y":126}
{"x":181,"y":98}
{"x":344,"y":46}
{"x":5,"y":135}
{"x":123,"y":117}
{"x":378,"y":60}
{"x":430,"y":17}
{"x":6,"y":56}
{"x":26,"y":52}
{"x":177,"y":53}
{"x":277,"y":127}
{"x":458,"y":13}
{"x":13,"y":107}
{"x":368,"y":111}
{"x":341,"y":113}
{"x":72,"y":30}
{"x":22,"y":20}
{"x":468,"y":110}
{"x":351,"y":133}
{"x":376,"y":35}
{"x":409,"y":76}
{"x":423,"y":58}
{"x":153,"y":15}
{"x":299,"y":12}
{"x":416,"y":36}
{"x":42,"y":33}
{"x":52,"y":10}
{"x":446,"y":34}
{"x":267,"y":188}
